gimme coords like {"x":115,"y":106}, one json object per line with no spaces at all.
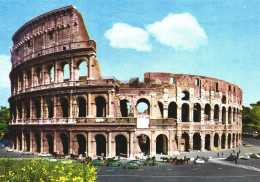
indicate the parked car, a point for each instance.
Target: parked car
{"x":199,"y":161}
{"x":44,"y":155}
{"x":245,"y":157}
{"x":231,"y":158}
{"x":131,"y":165}
{"x":67,"y":161}
{"x":247,"y":145}
{"x":138,"y":162}
{"x":150,"y":162}
{"x":256,"y":156}
{"x":97,"y":163}
{"x":51,"y":159}
{"x":114,"y":163}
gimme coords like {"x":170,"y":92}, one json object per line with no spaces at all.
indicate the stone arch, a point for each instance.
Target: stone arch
{"x":185,"y":140}
{"x":144,"y":143}
{"x":64,"y":107}
{"x":216,"y":139}
{"x":100,"y":106}
{"x":207,"y":112}
{"x":20,"y":143}
{"x":29,"y":79}
{"x":124,"y":108}
{"x":50,"y":107}
{"x":27,"y":109}
{"x":38,"y":76}
{"x":207,"y":142}
{"x":172,"y":110}
{"x":65,"y":75}
{"x":216,"y":112}
{"x":121,"y":145}
{"x":223,"y":141}
{"x":141,"y":104}
{"x":37,"y":138}
{"x":229,"y":115}
{"x":160,"y":104}
{"x":185,"y":112}
{"x":20,"y":110}
{"x":50,"y":143}
{"x":65,"y":143}
{"x":82,"y":107}
{"x":197,"y":112}
{"x":229,"y":141}
{"x":51,"y":73}
{"x":162,"y":144}
{"x":223,"y":115}
{"x":83,"y":69}
{"x":81,"y":143}
{"x":37,"y":108}
{"x":234,"y":115}
{"x":100,"y":145}
{"x":27,"y":141}
{"x":196,"y":141}
{"x":185,"y":95}
{"x":224,"y":99}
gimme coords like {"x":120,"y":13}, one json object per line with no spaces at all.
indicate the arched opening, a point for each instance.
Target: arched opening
{"x":83,"y":69}
{"x":216,"y":112}
{"x":39,"y":76}
{"x":81,"y":139}
{"x":65,"y":107}
{"x":144,"y":143}
{"x":29,"y":79}
{"x":50,"y":108}
{"x":229,"y":141}
{"x":234,"y":115}
{"x":223,"y":141}
{"x":185,"y":112}
{"x":223,"y":115}
{"x":21,"y":81}
{"x":196,"y":113}
{"x":196,"y":141}
{"x":50,"y":143}
{"x":65,"y":143}
{"x":27,"y":141}
{"x":38,"y":142}
{"x":20,"y":110}
{"x":20,"y":141}
{"x":207,"y":142}
{"x":172,"y":110}
{"x":51,"y":73}
{"x":100,"y":106}
{"x":82,"y":107}
{"x":207,"y":112}
{"x":229,"y":115}
{"x":121,"y":145}
{"x":124,"y":107}
{"x":162,"y":144}
{"x":216,"y":138}
{"x":37,"y":105}
{"x":160,"y":104}
{"x":100,"y":145}
{"x":224,"y":99}
{"x":234,"y":140}
{"x":66,"y":72}
{"x":143,"y":106}
{"x":27,"y":109}
{"x":185,"y":95}
{"x":185,"y":142}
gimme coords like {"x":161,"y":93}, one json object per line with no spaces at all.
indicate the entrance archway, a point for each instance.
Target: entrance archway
{"x":65,"y":143}
{"x":172,"y":110}
{"x":38,"y":142}
{"x":229,"y":141}
{"x":144,"y":144}
{"x":196,"y":141}
{"x":121,"y":145}
{"x":82,"y":144}
{"x":162,"y":144}
{"x":185,"y":142}
{"x":207,"y":142}
{"x":185,"y":112}
{"x":223,"y":141}
{"x":100,"y":106}
{"x":100,"y":145}
{"x":50,"y":143}
{"x":216,"y":138}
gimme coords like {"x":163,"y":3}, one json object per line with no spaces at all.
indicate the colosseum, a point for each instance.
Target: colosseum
{"x":57,"y":109}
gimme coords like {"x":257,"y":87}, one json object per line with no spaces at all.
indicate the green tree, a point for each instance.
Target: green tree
{"x":4,"y":120}
{"x":251,"y":117}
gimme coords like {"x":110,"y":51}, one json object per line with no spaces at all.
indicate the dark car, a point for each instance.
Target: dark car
{"x":114,"y":163}
{"x":231,"y":158}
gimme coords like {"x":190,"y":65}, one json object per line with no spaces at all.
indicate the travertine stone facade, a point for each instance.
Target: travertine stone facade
{"x":55,"y":109}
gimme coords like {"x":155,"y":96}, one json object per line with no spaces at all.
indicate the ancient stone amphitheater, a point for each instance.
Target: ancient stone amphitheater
{"x":56,"y":109}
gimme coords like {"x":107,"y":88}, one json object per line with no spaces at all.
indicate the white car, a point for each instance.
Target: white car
{"x":245,"y":157}
{"x":199,"y":161}
{"x":44,"y":155}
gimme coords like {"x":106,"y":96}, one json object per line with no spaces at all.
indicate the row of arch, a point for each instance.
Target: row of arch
{"x":79,"y":146}
{"x":49,"y":74}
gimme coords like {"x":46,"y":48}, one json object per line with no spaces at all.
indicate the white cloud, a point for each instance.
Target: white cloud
{"x":5,"y":70}
{"x":180,"y":31}
{"x":122,"y":35}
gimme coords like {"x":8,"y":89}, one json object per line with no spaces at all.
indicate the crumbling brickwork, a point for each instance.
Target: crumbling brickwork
{"x":55,"y":112}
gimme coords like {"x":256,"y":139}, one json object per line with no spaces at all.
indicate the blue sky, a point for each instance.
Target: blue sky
{"x":219,"y":39}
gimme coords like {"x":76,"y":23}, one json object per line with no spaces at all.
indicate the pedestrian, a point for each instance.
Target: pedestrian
{"x":239,"y":151}
{"x":237,"y":154}
{"x":222,"y":154}
{"x":218,"y":154}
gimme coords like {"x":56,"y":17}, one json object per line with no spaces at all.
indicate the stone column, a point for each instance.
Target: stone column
{"x":89,"y":106}
{"x":54,"y":141}
{"x":72,"y":78}
{"x":71,"y":143}
{"x":179,"y":114}
{"x":109,"y":143}
{"x":202,"y":143}
{"x":202,"y":120}
{"x":90,"y":152}
{"x":220,"y":115}
{"x":91,"y":61}
{"x":54,"y":106}
{"x":42,"y":141}
{"x":24,"y":81}
{"x":191,"y":114}
{"x":131,"y":145}
{"x":153,"y":143}
{"x":191,"y":142}
{"x":23,"y":141}
{"x":212,"y":115}
{"x":109,"y":105}
{"x":31,"y":141}
{"x":70,"y":108}
{"x":211,"y":142}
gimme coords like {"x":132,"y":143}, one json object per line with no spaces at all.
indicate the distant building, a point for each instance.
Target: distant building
{"x":96,"y":116}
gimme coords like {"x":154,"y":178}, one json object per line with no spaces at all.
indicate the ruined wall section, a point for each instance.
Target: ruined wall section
{"x":58,"y":30}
